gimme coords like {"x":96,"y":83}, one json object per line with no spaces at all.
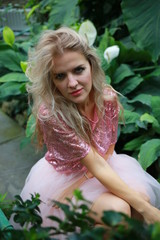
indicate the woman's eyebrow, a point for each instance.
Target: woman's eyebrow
{"x":80,"y":65}
{"x":55,"y":73}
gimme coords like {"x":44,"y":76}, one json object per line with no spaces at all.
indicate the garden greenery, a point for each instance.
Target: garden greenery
{"x":76,"y":225}
{"x":132,"y":26}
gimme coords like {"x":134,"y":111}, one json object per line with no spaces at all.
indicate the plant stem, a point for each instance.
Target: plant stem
{"x":144,"y":68}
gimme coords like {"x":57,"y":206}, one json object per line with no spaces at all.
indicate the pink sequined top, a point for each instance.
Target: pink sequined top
{"x":66,"y":149}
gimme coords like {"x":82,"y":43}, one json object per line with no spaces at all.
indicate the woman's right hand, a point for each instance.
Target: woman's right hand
{"x":151,"y":214}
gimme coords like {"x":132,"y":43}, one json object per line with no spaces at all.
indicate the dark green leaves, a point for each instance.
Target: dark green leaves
{"x":63,"y":14}
{"x":149,"y":152}
{"x":143,"y":21}
{"x":122,"y":72}
{"x":27,"y":212}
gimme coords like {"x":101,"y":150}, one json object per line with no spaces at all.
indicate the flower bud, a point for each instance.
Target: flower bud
{"x":111,"y":52}
{"x":88,"y":31}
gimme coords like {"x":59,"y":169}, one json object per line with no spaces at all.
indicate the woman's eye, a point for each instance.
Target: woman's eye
{"x":60,"y":76}
{"x":79,"y":69}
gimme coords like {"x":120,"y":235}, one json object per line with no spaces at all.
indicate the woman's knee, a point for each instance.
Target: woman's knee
{"x":108,"y":201}
{"x":122,"y":206}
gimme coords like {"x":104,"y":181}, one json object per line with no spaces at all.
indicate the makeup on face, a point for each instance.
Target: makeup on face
{"x":72,"y":76}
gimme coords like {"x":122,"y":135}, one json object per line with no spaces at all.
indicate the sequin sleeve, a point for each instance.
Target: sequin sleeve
{"x":65,"y":148}
{"x":115,"y":118}
{"x":112,"y":112}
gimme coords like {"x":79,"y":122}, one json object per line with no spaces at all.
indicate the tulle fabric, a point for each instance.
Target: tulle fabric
{"x":43,"y":179}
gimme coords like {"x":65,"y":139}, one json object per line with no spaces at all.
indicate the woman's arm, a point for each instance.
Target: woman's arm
{"x":99,"y":167}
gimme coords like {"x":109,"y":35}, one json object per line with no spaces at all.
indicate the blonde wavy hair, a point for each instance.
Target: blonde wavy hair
{"x":42,"y":89}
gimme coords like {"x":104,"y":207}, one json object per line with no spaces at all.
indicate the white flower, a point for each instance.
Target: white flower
{"x":111,"y":52}
{"x":88,"y":31}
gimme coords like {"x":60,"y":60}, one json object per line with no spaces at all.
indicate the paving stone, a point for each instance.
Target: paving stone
{"x":9,"y":129}
{"x":15,"y":163}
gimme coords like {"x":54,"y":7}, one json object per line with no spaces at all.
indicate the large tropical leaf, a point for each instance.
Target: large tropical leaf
{"x":104,"y":41}
{"x":11,"y":59}
{"x":10,"y":89}
{"x":151,"y":119}
{"x":128,"y":85}
{"x":149,"y":153}
{"x":155,"y":73}
{"x":143,"y":21}
{"x":30,"y":128}
{"x":64,"y":12}
{"x":151,"y":87}
{"x":14,"y":77}
{"x":143,"y":98}
{"x":122,"y":72}
{"x":130,"y":117}
{"x":156,"y":107}
{"x":135,"y":143}
{"x":129,"y":128}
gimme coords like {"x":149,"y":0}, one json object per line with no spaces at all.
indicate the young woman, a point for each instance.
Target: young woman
{"x":77,"y":119}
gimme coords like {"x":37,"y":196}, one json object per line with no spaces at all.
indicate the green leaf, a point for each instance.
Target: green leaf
{"x":130,"y":53}
{"x":155,"y":103}
{"x":104,"y":41}
{"x":122,"y":72}
{"x":156,"y":231}
{"x":104,"y":63}
{"x":11,"y":59}
{"x":112,"y":218}
{"x":62,"y":13}
{"x":135,"y":143}
{"x":149,"y":152}
{"x":8,"y":36}
{"x":130,"y":84}
{"x":130,"y":117}
{"x":151,"y":119}
{"x":78,"y":194}
{"x":143,"y":98}
{"x":129,"y":128}
{"x":14,"y":77}
{"x":155,"y":73}
{"x":151,"y":86}
{"x":108,"y":80}
{"x":9,"y":89}
{"x":23,"y":88}
{"x":30,"y":128}
{"x":23,"y":66}
{"x":32,"y":11}
{"x":143,"y":21}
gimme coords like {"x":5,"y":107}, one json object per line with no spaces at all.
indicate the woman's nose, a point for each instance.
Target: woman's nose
{"x":72,"y":82}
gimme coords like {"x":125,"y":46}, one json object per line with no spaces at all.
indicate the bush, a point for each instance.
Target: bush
{"x":76,"y":224}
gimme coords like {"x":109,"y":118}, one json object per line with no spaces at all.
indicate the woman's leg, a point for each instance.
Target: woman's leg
{"x":108,"y":201}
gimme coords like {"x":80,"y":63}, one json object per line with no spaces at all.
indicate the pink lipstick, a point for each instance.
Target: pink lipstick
{"x":76,"y":93}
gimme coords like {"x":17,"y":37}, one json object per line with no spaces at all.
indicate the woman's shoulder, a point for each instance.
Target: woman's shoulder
{"x":43,"y":110}
{"x":109,"y":93}
{"x":47,"y":118}
{"x":111,"y":102}
{"x":45,"y":115}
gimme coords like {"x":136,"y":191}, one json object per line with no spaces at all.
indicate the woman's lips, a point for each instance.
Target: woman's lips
{"x":77,"y":92}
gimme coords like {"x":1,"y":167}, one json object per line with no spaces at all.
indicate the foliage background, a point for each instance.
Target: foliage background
{"x":135,"y":27}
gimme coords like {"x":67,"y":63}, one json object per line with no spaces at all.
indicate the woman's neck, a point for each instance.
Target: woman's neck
{"x":87,"y":109}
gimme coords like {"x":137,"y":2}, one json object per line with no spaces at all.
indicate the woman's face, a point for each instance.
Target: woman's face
{"x":72,"y":77}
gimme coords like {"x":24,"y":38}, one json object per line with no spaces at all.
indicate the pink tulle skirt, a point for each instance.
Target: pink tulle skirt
{"x":43,"y":179}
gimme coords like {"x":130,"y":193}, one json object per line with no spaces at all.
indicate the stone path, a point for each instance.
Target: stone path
{"x":15,"y":162}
